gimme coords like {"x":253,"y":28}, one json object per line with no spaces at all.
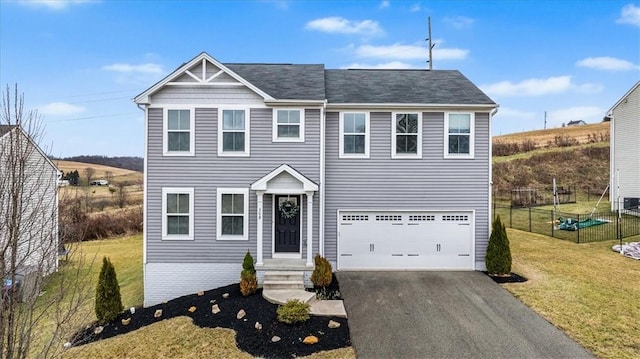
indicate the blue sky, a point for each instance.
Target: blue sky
{"x":80,"y":62}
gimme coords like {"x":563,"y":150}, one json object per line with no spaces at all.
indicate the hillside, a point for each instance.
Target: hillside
{"x":126,"y":162}
{"x":574,"y":156}
{"x":100,"y":171}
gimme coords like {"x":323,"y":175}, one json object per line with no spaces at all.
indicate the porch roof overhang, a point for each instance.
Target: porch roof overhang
{"x":305,"y":184}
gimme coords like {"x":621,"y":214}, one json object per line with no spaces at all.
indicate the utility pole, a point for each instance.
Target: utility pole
{"x":545,"y":120}
{"x":431,"y":45}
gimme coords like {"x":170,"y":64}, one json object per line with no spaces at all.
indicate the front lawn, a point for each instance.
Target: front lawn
{"x":587,"y":290}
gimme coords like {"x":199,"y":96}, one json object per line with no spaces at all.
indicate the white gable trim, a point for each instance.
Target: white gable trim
{"x":610,"y":112}
{"x":262,"y":183}
{"x":143,"y":98}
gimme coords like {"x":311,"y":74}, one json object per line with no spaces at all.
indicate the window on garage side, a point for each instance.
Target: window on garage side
{"x":354,"y":135}
{"x":177,"y":213}
{"x":233,"y":132}
{"x":179,"y":132}
{"x":406,"y":141}
{"x":288,"y":125}
{"x":232,"y":218}
{"x":459,"y":141}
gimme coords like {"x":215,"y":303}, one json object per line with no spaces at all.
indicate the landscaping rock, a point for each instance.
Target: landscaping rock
{"x":215,"y":309}
{"x":310,"y":340}
{"x":200,"y":293}
{"x":225,"y":295}
{"x":158,"y":313}
{"x":275,"y":339}
{"x":132,"y":310}
{"x":67,"y":345}
{"x":192,"y":309}
{"x":212,"y":301}
{"x":241,"y":314}
{"x":98,"y":330}
{"x":258,"y":326}
{"x":333,"y":324}
{"x":126,"y":321}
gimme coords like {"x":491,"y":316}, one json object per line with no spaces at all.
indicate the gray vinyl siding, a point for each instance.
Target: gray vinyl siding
{"x":626,"y":147}
{"x":432,"y":182}
{"x":205,"y":172}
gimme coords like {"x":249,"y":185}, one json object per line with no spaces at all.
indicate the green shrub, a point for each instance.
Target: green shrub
{"x":498,"y":258}
{"x":108,"y":300}
{"x":248,"y":279}
{"x":322,"y":273}
{"x":294,"y":311}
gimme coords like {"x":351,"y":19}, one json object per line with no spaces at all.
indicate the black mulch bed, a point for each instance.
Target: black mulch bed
{"x":253,"y":341}
{"x":511,"y":278}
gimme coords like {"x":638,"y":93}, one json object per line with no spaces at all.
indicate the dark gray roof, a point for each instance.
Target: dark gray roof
{"x":402,"y":86}
{"x":5,"y":129}
{"x":285,"y":81}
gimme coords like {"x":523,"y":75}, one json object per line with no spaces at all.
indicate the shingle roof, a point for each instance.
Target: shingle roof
{"x":402,"y":86}
{"x":285,"y":81}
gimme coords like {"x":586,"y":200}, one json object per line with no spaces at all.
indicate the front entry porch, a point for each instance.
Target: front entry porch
{"x":289,"y":191}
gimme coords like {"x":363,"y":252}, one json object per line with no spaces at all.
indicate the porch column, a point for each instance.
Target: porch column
{"x":309,"y":228}
{"x":259,"y":239}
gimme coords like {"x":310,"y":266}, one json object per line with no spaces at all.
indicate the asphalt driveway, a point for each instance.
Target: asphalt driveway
{"x":445,"y":315}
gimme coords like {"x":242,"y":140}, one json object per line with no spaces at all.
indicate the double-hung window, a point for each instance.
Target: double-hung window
{"x":288,"y":125}
{"x":354,"y":135}
{"x":406,"y":141}
{"x":177,"y":213}
{"x":179,"y":132}
{"x":233,"y":213}
{"x":459,"y":135}
{"x":233,"y":132}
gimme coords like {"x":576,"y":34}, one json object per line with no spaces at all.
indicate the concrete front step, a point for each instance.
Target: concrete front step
{"x":281,"y":296}
{"x":284,"y":276}
{"x":282,"y":284}
{"x":326,"y":308}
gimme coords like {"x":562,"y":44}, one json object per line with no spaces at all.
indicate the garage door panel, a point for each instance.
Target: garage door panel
{"x":405,"y":240}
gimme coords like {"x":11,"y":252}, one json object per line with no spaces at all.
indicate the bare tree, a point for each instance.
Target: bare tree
{"x":32,"y":324}
{"x":108,"y":175}
{"x":89,"y":172}
{"x":123,"y":196}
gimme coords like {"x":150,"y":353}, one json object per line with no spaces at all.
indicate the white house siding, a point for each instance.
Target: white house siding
{"x":205,"y":172}
{"x":430,"y":183}
{"x":626,"y":146}
{"x":207,"y":95}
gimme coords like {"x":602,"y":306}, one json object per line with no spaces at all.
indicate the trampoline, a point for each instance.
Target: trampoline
{"x":571,"y":224}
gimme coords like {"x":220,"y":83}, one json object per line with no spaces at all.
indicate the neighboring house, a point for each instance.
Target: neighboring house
{"x":373,"y":169}
{"x":28,"y":204}
{"x":576,"y":123}
{"x":624,"y":117}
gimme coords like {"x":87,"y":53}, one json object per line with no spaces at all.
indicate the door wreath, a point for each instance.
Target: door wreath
{"x":288,"y":208}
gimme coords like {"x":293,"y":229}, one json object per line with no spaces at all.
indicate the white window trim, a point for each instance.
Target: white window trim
{"x":165,"y":131}
{"x":418,"y":153}
{"x":472,"y":146}
{"x":247,"y":134}
{"x":275,"y":126}
{"x":178,"y":190}
{"x":245,"y":229}
{"x":367,"y":135}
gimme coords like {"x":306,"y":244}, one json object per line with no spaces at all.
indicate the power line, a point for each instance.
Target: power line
{"x":90,"y":117}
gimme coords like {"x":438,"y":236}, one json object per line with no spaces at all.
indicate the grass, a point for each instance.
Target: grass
{"x":580,"y":133}
{"x":545,"y":150}
{"x":587,"y":290}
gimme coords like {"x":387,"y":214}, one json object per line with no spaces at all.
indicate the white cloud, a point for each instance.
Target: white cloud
{"x":60,"y":109}
{"x":340,"y":25}
{"x":384,"y":4}
{"x":415,"y":8}
{"x":539,"y":87}
{"x":54,"y":4}
{"x":514,"y":114}
{"x":386,"y":65}
{"x":459,"y":22}
{"x":409,"y":52}
{"x":607,"y":63}
{"x":589,"y":114}
{"x":630,"y":14}
{"x":148,"y":68}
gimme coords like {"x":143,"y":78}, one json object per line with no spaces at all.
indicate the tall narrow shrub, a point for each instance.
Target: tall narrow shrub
{"x":108,"y":300}
{"x":498,"y":258}
{"x":248,"y":279}
{"x":322,"y":274}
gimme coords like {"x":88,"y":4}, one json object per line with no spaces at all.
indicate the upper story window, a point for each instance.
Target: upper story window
{"x":354,"y":135}
{"x":233,"y":213}
{"x":288,"y":125}
{"x":179,"y":132}
{"x":177,"y":213}
{"x":406,"y":141}
{"x":233,"y":132}
{"x":459,"y":135}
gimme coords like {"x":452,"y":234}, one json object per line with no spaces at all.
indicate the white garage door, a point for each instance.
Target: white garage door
{"x":405,"y":240}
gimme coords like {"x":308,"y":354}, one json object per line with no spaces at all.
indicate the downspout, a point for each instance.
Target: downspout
{"x":144,"y":196}
{"x":322,"y":178}
{"x":490,"y":212}
{"x":612,"y":165}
